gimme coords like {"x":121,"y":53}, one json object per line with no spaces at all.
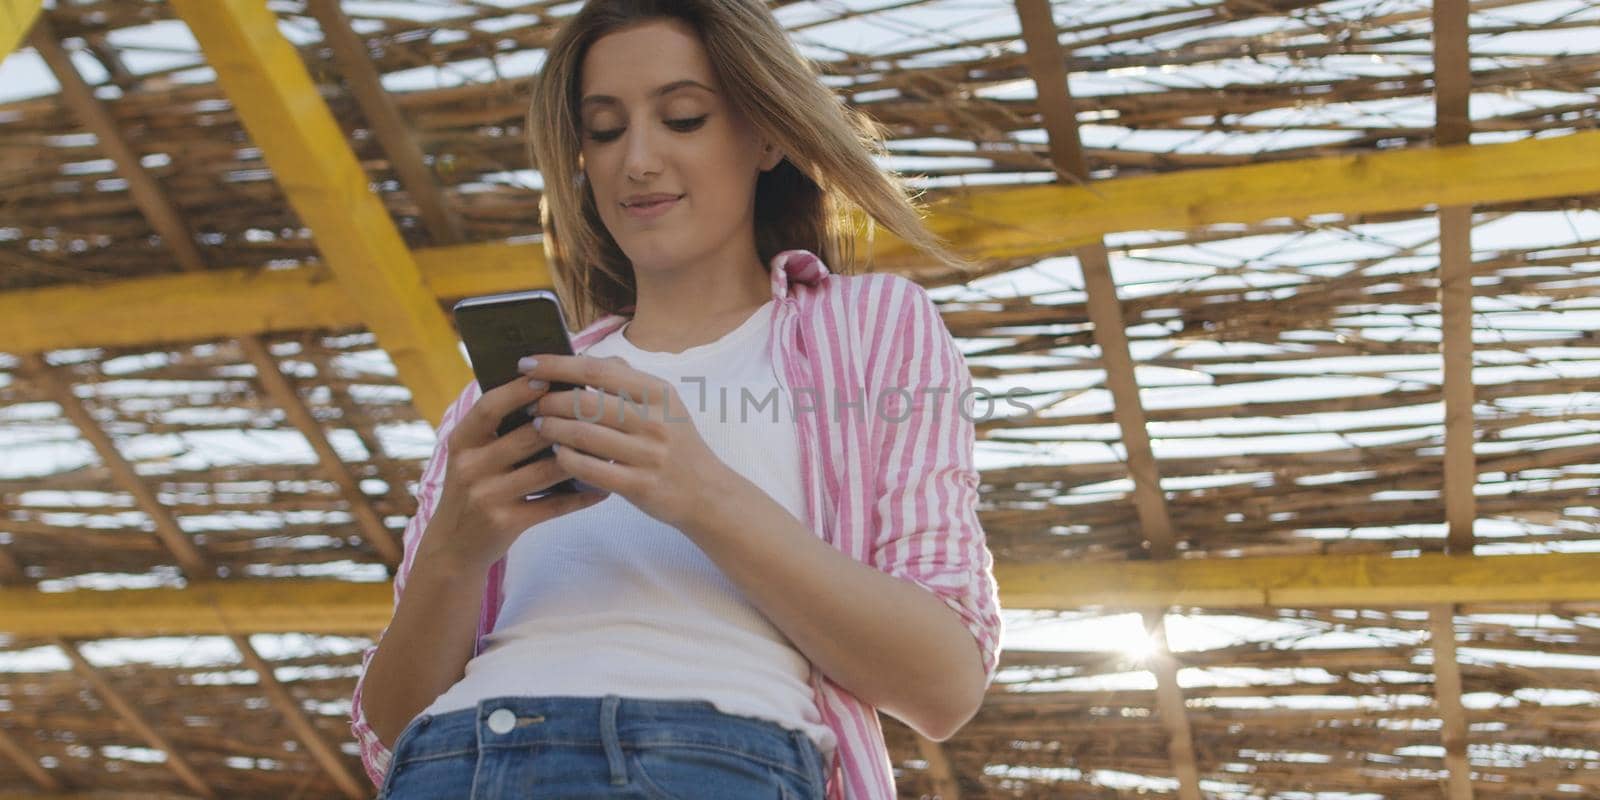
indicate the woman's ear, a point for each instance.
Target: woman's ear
{"x":771,"y":156}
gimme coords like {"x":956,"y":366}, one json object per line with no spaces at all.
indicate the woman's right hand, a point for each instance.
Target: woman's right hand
{"x":481,"y":510}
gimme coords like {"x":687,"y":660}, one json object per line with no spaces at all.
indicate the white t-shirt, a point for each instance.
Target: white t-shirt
{"x":609,"y":600}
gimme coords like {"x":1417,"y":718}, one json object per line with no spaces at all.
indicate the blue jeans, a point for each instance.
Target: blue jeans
{"x":600,"y":747}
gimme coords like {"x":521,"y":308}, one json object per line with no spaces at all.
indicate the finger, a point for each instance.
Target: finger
{"x":554,"y":505}
{"x":528,"y":479}
{"x":607,"y":444}
{"x":628,"y":412}
{"x":517,"y":444}
{"x":611,"y":375}
{"x":479,"y":424}
{"x":595,"y":471}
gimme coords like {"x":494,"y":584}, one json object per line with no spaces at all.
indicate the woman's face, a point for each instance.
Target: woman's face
{"x":654,"y":122}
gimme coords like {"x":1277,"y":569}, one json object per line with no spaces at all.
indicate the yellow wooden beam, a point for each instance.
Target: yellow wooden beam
{"x":1046,"y":219}
{"x":992,"y":223}
{"x":274,"y":96}
{"x":225,"y":303}
{"x":16,"y":19}
{"x":1349,"y":581}
{"x":204,"y":607}
{"x":1326,"y":581}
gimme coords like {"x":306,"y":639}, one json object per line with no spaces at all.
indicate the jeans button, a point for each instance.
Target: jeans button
{"x":502,"y":720}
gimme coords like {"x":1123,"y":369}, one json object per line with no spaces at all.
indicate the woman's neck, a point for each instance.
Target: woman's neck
{"x":679,"y":309}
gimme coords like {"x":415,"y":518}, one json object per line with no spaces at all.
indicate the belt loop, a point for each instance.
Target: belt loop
{"x":608,"y":735}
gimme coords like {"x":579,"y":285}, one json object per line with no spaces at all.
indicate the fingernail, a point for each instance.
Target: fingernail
{"x":538,"y":423}
{"x":538,"y":384}
{"x":526,"y":363}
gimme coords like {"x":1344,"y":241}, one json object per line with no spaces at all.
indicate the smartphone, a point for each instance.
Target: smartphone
{"x":498,"y":330}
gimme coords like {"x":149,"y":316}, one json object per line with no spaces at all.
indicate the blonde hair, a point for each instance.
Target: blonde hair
{"x":810,"y":201}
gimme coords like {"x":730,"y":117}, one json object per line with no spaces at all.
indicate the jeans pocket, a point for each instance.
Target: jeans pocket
{"x":702,"y":772}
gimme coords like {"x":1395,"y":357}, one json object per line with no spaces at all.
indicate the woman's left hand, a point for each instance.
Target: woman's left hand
{"x":628,"y":433}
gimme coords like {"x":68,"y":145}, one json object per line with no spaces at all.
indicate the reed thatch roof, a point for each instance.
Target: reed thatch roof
{"x":1302,"y":301}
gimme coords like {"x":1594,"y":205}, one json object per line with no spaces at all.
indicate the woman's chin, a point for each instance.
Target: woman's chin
{"x":655,"y":256}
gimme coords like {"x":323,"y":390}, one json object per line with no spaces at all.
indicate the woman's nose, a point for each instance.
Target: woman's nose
{"x":640,"y":154}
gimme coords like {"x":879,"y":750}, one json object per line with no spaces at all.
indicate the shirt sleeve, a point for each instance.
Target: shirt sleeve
{"x":374,"y":755}
{"x":926,"y":511}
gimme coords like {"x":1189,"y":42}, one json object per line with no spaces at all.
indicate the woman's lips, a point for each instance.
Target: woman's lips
{"x":651,"y":210}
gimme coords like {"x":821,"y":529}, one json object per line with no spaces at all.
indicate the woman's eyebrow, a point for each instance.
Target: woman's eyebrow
{"x":657,"y":92}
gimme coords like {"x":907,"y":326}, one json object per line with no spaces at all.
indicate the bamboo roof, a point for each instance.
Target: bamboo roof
{"x":1300,"y":302}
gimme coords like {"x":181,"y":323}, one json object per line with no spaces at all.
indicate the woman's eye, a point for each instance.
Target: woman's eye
{"x":683,"y":125}
{"x":687,"y":124}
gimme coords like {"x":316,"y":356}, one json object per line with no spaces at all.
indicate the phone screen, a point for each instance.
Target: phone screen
{"x":498,"y":331}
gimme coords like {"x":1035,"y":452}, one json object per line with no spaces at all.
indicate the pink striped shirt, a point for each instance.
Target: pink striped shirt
{"x":887,"y":463}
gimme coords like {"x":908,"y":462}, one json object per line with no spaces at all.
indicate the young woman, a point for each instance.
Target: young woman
{"x":780,"y":536}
